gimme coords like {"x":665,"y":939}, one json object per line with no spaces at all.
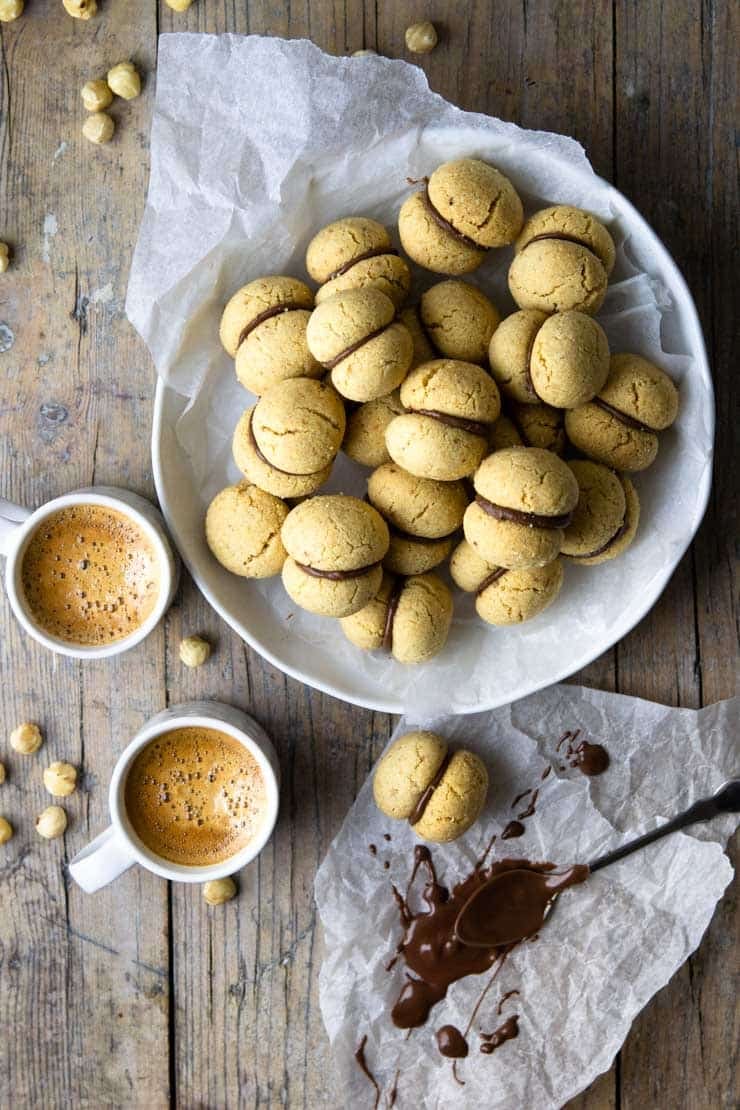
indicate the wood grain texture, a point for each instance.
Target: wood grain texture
{"x":178,"y":1003}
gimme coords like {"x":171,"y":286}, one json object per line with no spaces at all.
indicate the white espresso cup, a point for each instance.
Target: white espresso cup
{"x":18,"y":526}
{"x":118,"y":847}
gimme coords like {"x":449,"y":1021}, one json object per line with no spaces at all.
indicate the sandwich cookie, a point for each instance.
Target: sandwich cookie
{"x":450,"y":407}
{"x":561,"y":360}
{"x":355,"y":335}
{"x":620,"y":426}
{"x":355,"y":253}
{"x":335,"y":547}
{"x":459,"y":320}
{"x":243,"y":530}
{"x":525,"y":497}
{"x":529,"y":426}
{"x":255,"y":467}
{"x":606,"y":517}
{"x":422,"y":515}
{"x":505,"y":596}
{"x":264,"y":328}
{"x":440,"y":792}
{"x":563,"y":259}
{"x":364,"y":440}
{"x":466,"y":208}
{"x":408,"y":617}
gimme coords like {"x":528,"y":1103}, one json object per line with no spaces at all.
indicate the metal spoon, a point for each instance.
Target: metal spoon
{"x":514,"y":904}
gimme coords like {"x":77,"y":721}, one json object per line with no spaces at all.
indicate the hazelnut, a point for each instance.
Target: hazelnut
{"x":81,"y":9}
{"x":421,"y":38}
{"x":60,"y":779}
{"x":4,"y":257}
{"x":6,"y":831}
{"x":26,"y":739}
{"x":194,"y":651}
{"x":10,"y":10}
{"x":96,"y":95}
{"x":51,"y":823}
{"x":363,"y":53}
{"x":98,"y":127}
{"x":178,"y":5}
{"x":124,"y":80}
{"x":2,"y":773}
{"x":219,"y":891}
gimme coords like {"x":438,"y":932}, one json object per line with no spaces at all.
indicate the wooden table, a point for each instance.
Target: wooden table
{"x":141,"y":995}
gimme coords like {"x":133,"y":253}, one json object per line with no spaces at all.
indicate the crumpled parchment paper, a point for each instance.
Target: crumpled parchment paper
{"x":256,"y":144}
{"x":612,"y":943}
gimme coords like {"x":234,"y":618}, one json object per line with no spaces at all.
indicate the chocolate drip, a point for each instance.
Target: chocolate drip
{"x":622,"y":417}
{"x":591,"y":759}
{"x":494,"y":576}
{"x":393,"y":599}
{"x":362,"y":1065}
{"x":516,"y":516}
{"x":377,"y":252}
{"x":475,"y":427}
{"x":505,"y":998}
{"x":506,"y":1032}
{"x":529,"y":811}
{"x":545,"y":773}
{"x":355,"y":347}
{"x":393,"y":1093}
{"x":446,"y":225}
{"x":605,"y":546}
{"x":563,"y":237}
{"x":276,"y":310}
{"x":336,"y":575}
{"x":426,"y":797}
{"x":451,"y":1042}
{"x":512,"y":830}
{"x":387,"y":836}
{"x":372,"y":849}
{"x":266,"y":461}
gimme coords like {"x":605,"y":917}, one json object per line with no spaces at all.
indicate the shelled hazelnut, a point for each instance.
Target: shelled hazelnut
{"x":60,"y":779}
{"x":421,"y":38}
{"x":194,"y":651}
{"x":98,"y":128}
{"x":26,"y":738}
{"x":81,"y":9}
{"x":10,"y":10}
{"x":124,"y":80}
{"x":51,"y":823}
{"x":218,"y":891}
{"x":6,"y":830}
{"x":96,"y":95}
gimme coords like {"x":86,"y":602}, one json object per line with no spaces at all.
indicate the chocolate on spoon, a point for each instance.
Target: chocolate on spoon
{"x":513,"y":905}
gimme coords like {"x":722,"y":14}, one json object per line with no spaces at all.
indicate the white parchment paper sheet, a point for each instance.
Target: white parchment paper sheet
{"x":256,"y":144}
{"x":611,"y":944}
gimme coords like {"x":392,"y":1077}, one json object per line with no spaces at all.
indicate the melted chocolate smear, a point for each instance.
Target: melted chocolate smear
{"x":276,"y":310}
{"x":372,"y":849}
{"x":446,"y":225}
{"x":378,"y":252}
{"x":393,"y":599}
{"x":519,"y":797}
{"x":426,"y":797}
{"x":386,"y":865}
{"x":387,"y":836}
{"x":545,"y":773}
{"x":362,"y":1065}
{"x":516,"y":516}
{"x":506,"y":1032}
{"x":590,"y":759}
{"x":512,"y":830}
{"x":475,"y":427}
{"x":504,"y":1000}
{"x":451,"y":1042}
{"x":622,"y":417}
{"x":609,"y":543}
{"x":530,"y":810}
{"x":393,"y":1093}
{"x":355,"y":347}
{"x":336,"y":575}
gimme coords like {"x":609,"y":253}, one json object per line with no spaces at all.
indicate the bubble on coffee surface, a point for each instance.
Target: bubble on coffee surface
{"x":195,"y":796}
{"x":89,"y":575}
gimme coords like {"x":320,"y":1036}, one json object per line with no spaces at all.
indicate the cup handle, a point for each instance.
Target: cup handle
{"x":101,"y":861}
{"x":11,"y":518}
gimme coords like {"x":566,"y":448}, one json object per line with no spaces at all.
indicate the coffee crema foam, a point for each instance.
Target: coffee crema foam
{"x":195,"y":796}
{"x":90,"y":576}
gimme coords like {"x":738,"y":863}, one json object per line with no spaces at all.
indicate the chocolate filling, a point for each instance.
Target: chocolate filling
{"x":376,"y":253}
{"x":622,"y":417}
{"x":266,"y":461}
{"x":605,"y":546}
{"x":276,"y":310}
{"x":531,"y":520}
{"x":355,"y":347}
{"x":494,"y":576}
{"x":528,"y":367}
{"x":562,"y":237}
{"x":426,"y":797}
{"x":336,"y":575}
{"x":446,"y":225}
{"x":393,"y":599}
{"x":475,"y":427}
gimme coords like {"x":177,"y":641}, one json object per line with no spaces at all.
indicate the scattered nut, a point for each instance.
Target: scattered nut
{"x":81,"y":9}
{"x":178,"y":5}
{"x":51,"y":823}
{"x":194,"y":651}
{"x":2,"y":773}
{"x":4,"y":257}
{"x":124,"y":80}
{"x":98,"y":128}
{"x":10,"y":10}
{"x":219,"y":891}
{"x":363,"y":53}
{"x":6,"y":831}
{"x":96,"y":95}
{"x":26,"y":739}
{"x":60,"y":779}
{"x":421,"y":38}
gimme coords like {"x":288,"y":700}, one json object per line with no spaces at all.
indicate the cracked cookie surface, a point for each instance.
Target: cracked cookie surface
{"x":419,"y":506}
{"x":459,"y":319}
{"x":605,"y":520}
{"x":354,"y":253}
{"x":298,"y":425}
{"x":569,"y":361}
{"x":243,"y":526}
{"x":262,"y":474}
{"x":572,"y":223}
{"x":417,"y":626}
{"x":255,"y":298}
{"x":555,"y":276}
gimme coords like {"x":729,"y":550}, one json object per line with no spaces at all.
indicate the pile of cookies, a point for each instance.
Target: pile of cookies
{"x":517,"y":431}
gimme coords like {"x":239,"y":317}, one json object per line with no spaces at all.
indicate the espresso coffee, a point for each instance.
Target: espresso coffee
{"x":195,"y":796}
{"x":90,"y":575}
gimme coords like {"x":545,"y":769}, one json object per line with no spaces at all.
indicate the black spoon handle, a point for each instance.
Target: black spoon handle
{"x":726,"y":800}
